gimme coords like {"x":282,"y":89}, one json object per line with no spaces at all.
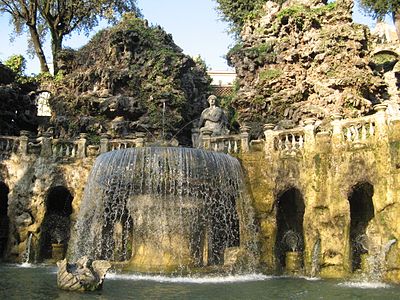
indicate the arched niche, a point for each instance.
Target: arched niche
{"x":289,"y":220}
{"x":55,"y":228}
{"x":361,"y":212}
{"x":4,"y":221}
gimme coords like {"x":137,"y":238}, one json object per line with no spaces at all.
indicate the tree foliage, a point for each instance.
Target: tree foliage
{"x":60,"y":18}
{"x":378,"y":9}
{"x":236,"y":12}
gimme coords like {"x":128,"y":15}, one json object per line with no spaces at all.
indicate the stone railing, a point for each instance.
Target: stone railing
{"x":349,"y":133}
{"x":64,"y":148}
{"x":289,"y":140}
{"x":359,"y":132}
{"x":232,"y":144}
{"x":8,"y":145}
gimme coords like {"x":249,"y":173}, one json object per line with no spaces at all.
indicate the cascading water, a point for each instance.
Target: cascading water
{"x":163,"y":209}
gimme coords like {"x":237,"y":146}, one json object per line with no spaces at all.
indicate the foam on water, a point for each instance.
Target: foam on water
{"x":190,"y":279}
{"x":365,"y":284}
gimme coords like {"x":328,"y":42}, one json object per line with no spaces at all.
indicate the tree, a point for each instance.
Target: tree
{"x":60,"y":18}
{"x":378,"y":9}
{"x":236,"y":12}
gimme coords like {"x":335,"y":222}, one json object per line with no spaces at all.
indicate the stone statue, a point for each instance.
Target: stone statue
{"x":84,"y":275}
{"x":213,"y":119}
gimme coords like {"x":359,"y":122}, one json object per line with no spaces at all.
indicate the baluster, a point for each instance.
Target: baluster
{"x":301,"y":141}
{"x":229,"y":147}
{"x":363,"y":132}
{"x":54,"y":150}
{"x":294,"y":142}
{"x":8,"y":145}
{"x":371,"y":129}
{"x":348,"y":134}
{"x":112,"y":146}
{"x":287,"y":143}
{"x":235,"y":147}
{"x":67,"y":150}
{"x":73,"y":153}
{"x":356,"y":133}
{"x":119,"y":146}
{"x":216,"y":146}
{"x":60,"y":150}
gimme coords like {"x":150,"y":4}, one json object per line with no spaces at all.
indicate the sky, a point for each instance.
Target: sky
{"x":194,"y":24}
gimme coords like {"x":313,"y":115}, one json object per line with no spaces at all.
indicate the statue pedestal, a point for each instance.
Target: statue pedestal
{"x":293,"y":262}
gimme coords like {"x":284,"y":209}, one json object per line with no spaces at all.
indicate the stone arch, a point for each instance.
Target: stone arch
{"x":4,"y":221}
{"x":361,"y":212}
{"x":289,"y":239}
{"x":55,"y":227}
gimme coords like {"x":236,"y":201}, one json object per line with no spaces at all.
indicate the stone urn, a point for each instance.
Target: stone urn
{"x":57,"y":251}
{"x":293,"y":262}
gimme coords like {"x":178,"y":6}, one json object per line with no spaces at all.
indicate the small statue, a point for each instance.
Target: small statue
{"x":84,"y":275}
{"x":213,"y":119}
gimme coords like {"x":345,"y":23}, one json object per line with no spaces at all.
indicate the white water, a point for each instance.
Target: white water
{"x":148,"y":203}
{"x":364,"y":284}
{"x":190,"y":279}
{"x":27,"y":254}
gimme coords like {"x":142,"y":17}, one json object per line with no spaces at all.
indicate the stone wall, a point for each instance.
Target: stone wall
{"x":326,"y":167}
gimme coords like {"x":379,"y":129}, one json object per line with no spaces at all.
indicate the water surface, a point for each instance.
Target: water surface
{"x":39,"y":282}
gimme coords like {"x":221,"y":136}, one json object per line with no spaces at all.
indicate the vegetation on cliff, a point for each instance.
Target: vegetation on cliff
{"x":17,"y":105}
{"x":304,"y":59}
{"x":129,"y":78}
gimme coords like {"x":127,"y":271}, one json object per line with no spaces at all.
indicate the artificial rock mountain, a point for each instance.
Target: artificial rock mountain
{"x":119,"y":82}
{"x":304,"y":59}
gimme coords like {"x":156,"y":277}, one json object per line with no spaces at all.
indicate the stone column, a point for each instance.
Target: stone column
{"x":46,"y":150}
{"x":205,"y":140}
{"x":140,"y":139}
{"x":23,"y":142}
{"x":337,"y":134}
{"x":380,"y":122}
{"x":244,"y":138}
{"x":309,"y":134}
{"x":195,"y":137}
{"x":269,"y":138}
{"x":82,"y":145}
{"x":104,"y":142}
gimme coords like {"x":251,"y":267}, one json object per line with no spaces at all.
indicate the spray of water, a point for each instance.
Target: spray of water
{"x":165,"y":207}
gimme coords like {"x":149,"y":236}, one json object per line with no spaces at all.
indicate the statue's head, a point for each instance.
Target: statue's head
{"x":212,"y":99}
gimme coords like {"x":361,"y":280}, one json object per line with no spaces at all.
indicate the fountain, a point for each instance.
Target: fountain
{"x":165,"y":210}
{"x":27,"y":251}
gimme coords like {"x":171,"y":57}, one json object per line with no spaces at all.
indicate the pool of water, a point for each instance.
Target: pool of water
{"x":39,"y":282}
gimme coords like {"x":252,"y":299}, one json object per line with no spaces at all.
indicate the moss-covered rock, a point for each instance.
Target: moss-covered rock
{"x":304,"y":59}
{"x":121,"y":80}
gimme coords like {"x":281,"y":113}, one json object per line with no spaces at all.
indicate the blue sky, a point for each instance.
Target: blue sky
{"x":194,"y":24}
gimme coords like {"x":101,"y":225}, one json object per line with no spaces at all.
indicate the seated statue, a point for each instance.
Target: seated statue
{"x":213,"y":119}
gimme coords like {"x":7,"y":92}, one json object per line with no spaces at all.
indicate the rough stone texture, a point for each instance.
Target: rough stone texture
{"x":84,"y":275}
{"x":304,"y":59}
{"x":326,"y":171}
{"x":30,"y":178}
{"x":119,"y":81}
{"x":17,"y":107}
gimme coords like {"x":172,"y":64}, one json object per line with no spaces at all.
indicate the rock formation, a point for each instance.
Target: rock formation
{"x":17,"y":107}
{"x":304,"y":59}
{"x":125,"y":80}
{"x":84,"y":275}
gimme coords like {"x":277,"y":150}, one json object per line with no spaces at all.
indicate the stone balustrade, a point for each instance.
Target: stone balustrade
{"x":350,"y":133}
{"x":359,"y":132}
{"x":232,"y":144}
{"x":8,"y":145}
{"x":64,"y":148}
